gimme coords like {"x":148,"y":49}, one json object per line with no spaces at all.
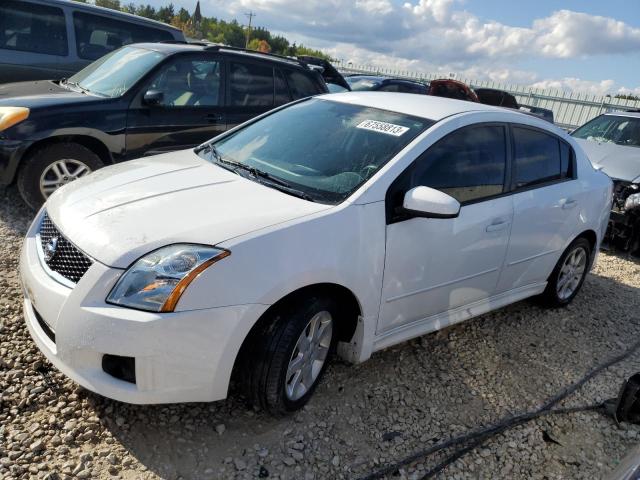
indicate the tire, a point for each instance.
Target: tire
{"x":271,"y":351}
{"x":559,"y":294}
{"x":35,"y":165}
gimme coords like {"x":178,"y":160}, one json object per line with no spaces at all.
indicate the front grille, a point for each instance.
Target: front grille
{"x":60,"y":255}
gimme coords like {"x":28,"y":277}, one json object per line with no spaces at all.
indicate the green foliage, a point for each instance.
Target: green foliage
{"x":113,"y":4}
{"x":627,"y":97}
{"x":213,"y":29}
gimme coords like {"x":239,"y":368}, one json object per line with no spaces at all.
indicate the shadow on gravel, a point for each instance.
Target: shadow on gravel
{"x":416,"y":394}
{"x":14,"y":213}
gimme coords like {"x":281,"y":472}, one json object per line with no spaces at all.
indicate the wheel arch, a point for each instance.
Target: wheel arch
{"x":87,"y":141}
{"x":346,"y":327}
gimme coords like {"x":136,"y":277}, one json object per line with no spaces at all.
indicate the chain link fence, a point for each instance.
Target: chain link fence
{"x":570,"y":109}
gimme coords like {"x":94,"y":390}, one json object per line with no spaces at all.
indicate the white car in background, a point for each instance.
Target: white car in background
{"x":612,"y":143}
{"x":353,"y":220}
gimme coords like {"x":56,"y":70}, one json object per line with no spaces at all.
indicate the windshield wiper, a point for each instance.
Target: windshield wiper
{"x":256,"y":173}
{"x":65,"y":81}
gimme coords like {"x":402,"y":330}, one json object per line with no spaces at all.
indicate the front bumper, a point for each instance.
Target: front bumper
{"x":179,"y":357}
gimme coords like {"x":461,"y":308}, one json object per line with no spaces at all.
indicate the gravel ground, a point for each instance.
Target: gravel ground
{"x":361,"y":417}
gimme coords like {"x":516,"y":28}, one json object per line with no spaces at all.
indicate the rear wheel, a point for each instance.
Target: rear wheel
{"x":568,"y":275}
{"x":51,"y":167}
{"x":288,"y":356}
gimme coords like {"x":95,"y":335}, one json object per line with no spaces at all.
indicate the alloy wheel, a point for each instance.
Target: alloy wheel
{"x":60,"y":173}
{"x":571,"y":273}
{"x":309,"y":355}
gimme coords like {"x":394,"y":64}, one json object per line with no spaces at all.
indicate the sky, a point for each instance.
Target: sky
{"x":581,"y":45}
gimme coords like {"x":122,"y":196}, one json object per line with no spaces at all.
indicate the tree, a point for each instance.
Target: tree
{"x":166,"y":14}
{"x":260,"y":45}
{"x":112,"y":4}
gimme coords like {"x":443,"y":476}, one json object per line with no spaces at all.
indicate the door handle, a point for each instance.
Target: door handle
{"x":213,"y":117}
{"x":569,"y":203}
{"x":497,"y":226}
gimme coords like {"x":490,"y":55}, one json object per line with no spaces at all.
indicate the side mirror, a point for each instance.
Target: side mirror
{"x":153,"y":97}
{"x":428,"y":202}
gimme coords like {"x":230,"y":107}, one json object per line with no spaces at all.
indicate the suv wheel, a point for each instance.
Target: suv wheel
{"x":289,"y":355}
{"x":569,"y":274}
{"x":52,"y":166}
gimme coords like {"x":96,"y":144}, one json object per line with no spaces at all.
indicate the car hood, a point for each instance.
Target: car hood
{"x":39,"y":94}
{"x":617,"y":161}
{"x":122,"y":212}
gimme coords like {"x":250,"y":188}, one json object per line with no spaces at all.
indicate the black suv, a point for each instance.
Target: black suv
{"x":139,"y":100}
{"x":377,"y":83}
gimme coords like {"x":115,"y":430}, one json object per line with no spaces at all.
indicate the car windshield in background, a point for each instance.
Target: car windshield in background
{"x":363,"y":83}
{"x":611,"y":129}
{"x":115,"y":73}
{"x":321,"y":148}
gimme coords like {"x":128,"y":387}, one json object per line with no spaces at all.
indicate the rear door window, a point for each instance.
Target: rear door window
{"x":29,"y":27}
{"x":537,"y":157}
{"x":96,"y":35}
{"x":301,"y":85}
{"x":250,"y":85}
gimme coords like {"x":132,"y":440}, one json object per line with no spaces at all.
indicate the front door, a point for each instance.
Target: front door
{"x":189,"y":113}
{"x":434,"y":265}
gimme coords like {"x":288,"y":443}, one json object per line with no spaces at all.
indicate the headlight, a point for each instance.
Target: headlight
{"x":157,"y":280}
{"x":9,"y":116}
{"x":632,"y":201}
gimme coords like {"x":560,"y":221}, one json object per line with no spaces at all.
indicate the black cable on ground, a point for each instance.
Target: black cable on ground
{"x":482,"y":434}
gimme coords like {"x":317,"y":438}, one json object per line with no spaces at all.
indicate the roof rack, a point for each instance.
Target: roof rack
{"x":219,"y":46}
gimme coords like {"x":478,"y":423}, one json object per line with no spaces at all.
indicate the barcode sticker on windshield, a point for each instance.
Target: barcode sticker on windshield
{"x":383,"y":127}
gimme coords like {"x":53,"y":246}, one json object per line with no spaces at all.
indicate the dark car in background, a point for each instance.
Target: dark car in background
{"x":500,"y":98}
{"x":139,"y":100}
{"x":52,"y":39}
{"x":385,"y":84}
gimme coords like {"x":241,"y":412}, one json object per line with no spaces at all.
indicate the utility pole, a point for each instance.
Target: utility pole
{"x":250,"y":15}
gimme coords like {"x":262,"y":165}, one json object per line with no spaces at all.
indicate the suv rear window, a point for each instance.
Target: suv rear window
{"x":301,"y":85}
{"x":28,"y":27}
{"x":96,"y":35}
{"x":250,"y":85}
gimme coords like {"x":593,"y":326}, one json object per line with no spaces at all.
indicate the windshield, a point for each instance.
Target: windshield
{"x":321,"y":148}
{"x":611,"y":129}
{"x":113,"y":74}
{"x":363,"y":83}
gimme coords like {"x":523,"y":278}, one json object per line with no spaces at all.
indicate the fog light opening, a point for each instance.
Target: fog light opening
{"x":122,"y":368}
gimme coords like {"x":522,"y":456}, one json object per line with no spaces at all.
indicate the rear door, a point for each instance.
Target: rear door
{"x":546,"y":199}
{"x":190,"y":112}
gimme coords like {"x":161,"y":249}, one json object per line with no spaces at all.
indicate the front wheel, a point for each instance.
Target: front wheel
{"x":568,"y":275}
{"x":52,"y":166}
{"x":289,"y":355}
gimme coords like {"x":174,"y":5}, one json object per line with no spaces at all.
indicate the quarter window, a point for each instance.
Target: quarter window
{"x":188,"y":82}
{"x":28,"y":27}
{"x":469,"y":164}
{"x":250,"y":85}
{"x":301,"y":85}
{"x":282,"y":92}
{"x":96,"y":36}
{"x":537,"y":158}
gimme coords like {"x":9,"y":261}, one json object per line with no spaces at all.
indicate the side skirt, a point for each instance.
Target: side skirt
{"x":450,"y":317}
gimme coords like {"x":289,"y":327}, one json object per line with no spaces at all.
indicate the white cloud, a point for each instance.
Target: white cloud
{"x":441,"y":36}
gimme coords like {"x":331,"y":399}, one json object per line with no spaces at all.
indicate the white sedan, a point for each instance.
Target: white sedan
{"x":347,"y":222}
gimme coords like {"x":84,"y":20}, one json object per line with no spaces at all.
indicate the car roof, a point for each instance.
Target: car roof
{"x":622,"y":113}
{"x":424,"y":106}
{"x":109,"y":12}
{"x":382,"y":78}
{"x":171,"y":47}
